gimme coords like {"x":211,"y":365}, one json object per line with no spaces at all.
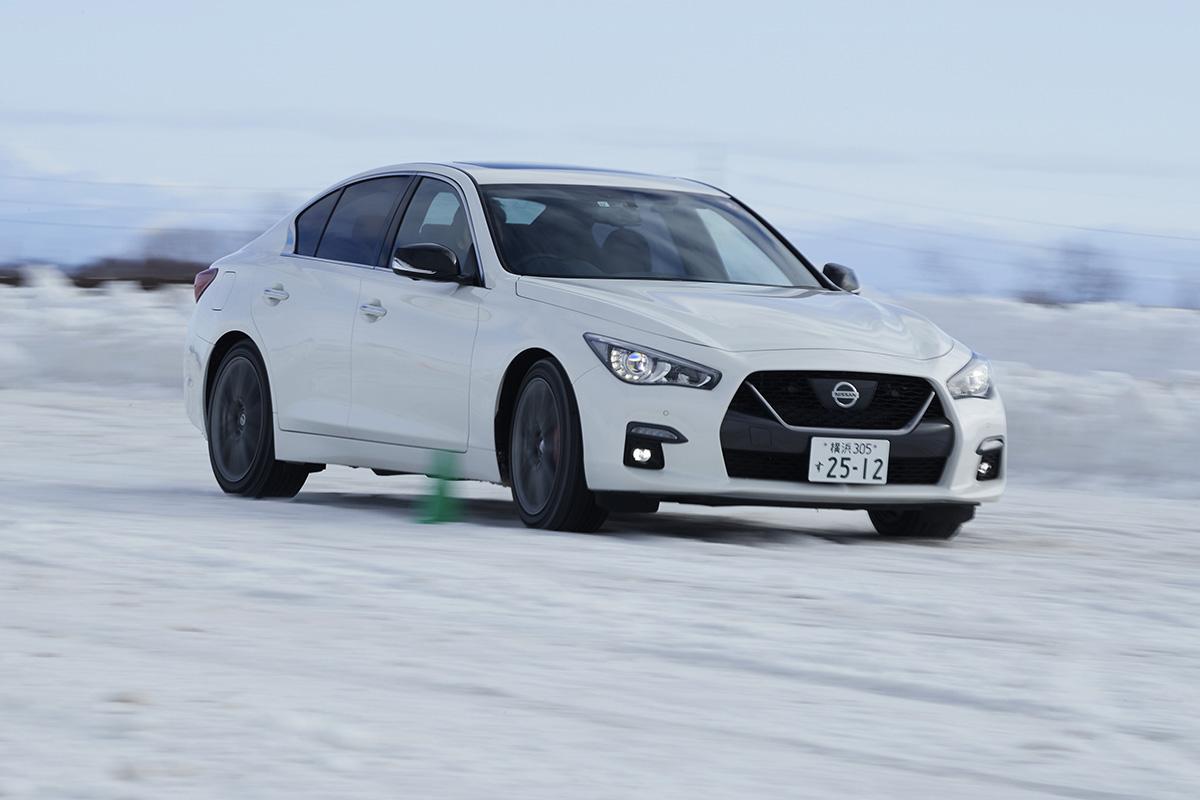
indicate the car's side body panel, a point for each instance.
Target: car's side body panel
{"x":412,"y":366}
{"x":298,"y":306}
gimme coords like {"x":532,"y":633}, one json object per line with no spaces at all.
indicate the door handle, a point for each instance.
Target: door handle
{"x":275,"y":295}
{"x":373,"y":311}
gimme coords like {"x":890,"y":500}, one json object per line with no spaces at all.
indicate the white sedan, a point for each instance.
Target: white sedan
{"x":597,"y":340}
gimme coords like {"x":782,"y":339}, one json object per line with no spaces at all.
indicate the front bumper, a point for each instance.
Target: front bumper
{"x":696,"y":470}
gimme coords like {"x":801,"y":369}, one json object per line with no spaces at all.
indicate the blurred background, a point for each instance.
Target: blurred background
{"x":1024,"y":173}
{"x":1044,"y":152}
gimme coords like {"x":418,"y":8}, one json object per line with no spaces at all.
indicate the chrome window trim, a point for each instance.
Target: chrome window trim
{"x":328,"y":261}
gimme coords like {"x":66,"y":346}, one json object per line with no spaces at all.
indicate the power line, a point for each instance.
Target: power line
{"x":996,"y":240}
{"x":145,"y":185}
{"x":766,"y":178}
{"x":145,"y":228}
{"x":149,"y":229}
{"x":976,"y":214}
{"x":106,"y":207}
{"x":952,"y":256}
{"x":790,"y":228}
{"x":903,"y":248}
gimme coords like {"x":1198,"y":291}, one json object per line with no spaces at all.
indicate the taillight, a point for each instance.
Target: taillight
{"x":204,"y":280}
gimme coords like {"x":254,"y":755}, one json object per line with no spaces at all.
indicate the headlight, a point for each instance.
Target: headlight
{"x":640,"y":365}
{"x":973,"y":380}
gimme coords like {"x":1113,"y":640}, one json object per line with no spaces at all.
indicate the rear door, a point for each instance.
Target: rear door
{"x":306,"y":309}
{"x":413,"y":339}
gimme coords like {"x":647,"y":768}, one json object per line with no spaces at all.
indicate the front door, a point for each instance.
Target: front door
{"x":413,"y":339}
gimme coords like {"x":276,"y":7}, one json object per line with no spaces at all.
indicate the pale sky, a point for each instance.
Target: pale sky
{"x":991,"y":115}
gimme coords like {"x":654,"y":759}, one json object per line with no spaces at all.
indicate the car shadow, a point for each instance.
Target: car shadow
{"x":723,"y":527}
{"x":483,"y":511}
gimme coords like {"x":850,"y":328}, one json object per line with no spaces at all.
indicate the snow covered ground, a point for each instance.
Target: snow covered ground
{"x":161,"y":640}
{"x":158,"y":639}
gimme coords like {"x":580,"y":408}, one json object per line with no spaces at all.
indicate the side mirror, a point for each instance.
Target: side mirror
{"x":428,"y":261}
{"x":842,"y":277}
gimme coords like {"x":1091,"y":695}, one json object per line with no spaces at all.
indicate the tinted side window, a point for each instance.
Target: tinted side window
{"x":436,"y":214}
{"x":310,"y":223}
{"x":359,"y":223}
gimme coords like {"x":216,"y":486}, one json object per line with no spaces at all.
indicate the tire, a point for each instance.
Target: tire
{"x":241,"y":437}
{"x":546,"y":455}
{"x":933,"y":522}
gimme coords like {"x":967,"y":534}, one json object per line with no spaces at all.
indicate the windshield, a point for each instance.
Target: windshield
{"x":603,"y":232}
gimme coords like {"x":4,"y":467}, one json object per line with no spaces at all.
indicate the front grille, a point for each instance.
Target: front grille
{"x":756,"y":446}
{"x":768,"y":466}
{"x":803,"y":399}
{"x":935,"y":412}
{"x":746,"y":402}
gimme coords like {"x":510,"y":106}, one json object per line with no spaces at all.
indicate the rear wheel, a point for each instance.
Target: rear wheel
{"x":546,"y":455}
{"x":241,"y":440}
{"x":933,"y":522}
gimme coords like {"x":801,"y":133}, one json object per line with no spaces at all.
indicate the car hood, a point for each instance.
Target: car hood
{"x":744,"y":318}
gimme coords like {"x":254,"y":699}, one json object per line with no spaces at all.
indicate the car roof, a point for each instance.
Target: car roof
{"x":495,"y":172}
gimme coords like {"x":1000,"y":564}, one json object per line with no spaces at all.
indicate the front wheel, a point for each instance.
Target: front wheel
{"x":546,"y":455}
{"x":933,"y":522}
{"x":241,"y":441}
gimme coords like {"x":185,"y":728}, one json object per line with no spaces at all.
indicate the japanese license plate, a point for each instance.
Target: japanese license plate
{"x":848,"y":460}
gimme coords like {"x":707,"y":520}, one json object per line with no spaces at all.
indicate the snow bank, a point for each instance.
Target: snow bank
{"x":1109,"y":426}
{"x":1108,"y":337}
{"x":1092,"y":392}
{"x":53,"y":332}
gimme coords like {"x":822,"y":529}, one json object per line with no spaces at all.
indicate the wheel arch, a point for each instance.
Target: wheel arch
{"x":223,"y":345}
{"x":506,"y":400}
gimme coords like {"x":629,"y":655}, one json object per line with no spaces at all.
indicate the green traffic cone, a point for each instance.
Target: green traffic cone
{"x":441,"y":505}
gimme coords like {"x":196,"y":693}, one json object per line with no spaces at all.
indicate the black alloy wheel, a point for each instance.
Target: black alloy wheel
{"x":241,"y":441}
{"x":546,"y":455}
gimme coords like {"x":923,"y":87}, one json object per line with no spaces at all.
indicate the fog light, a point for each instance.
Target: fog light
{"x":644,"y":444}
{"x":990,"y":452}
